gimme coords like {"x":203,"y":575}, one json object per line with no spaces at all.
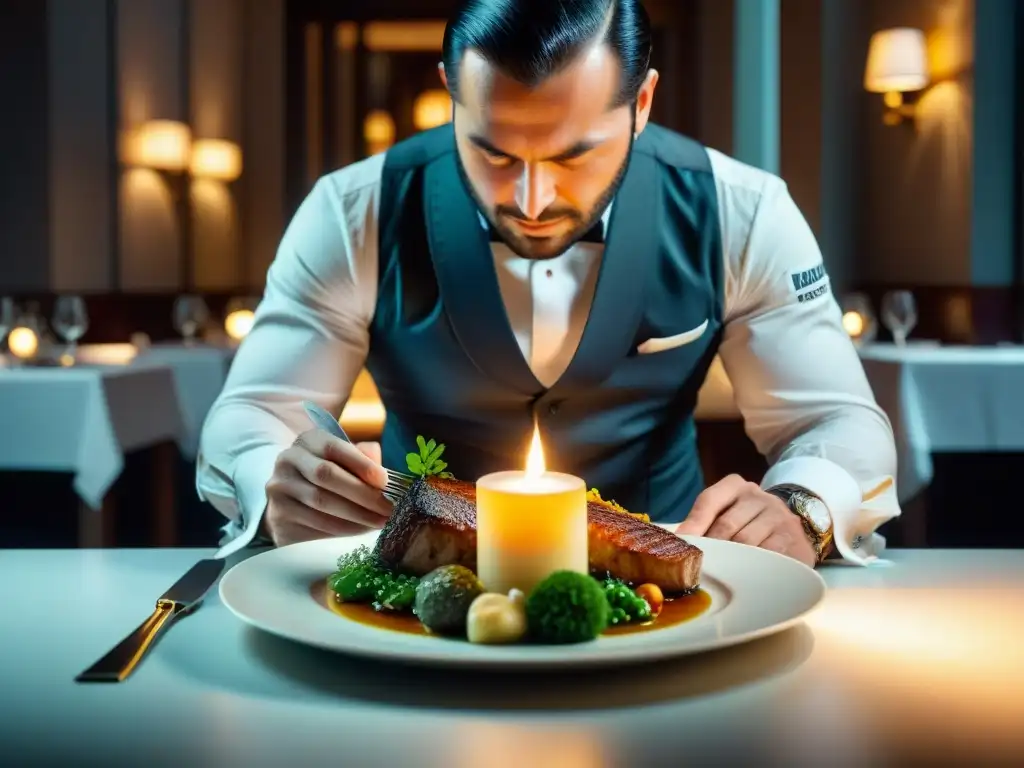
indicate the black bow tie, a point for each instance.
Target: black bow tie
{"x":593,"y":235}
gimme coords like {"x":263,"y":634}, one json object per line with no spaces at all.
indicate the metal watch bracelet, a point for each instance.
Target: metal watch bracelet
{"x":801,"y":502}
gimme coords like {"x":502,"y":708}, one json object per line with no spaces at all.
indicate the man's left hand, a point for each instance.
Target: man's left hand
{"x":736,"y":510}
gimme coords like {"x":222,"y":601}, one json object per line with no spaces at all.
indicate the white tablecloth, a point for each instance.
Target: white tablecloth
{"x":84,"y":420}
{"x":882,"y":674}
{"x":955,"y":399}
{"x":199,"y":373}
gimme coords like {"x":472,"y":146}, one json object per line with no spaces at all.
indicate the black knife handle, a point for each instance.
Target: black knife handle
{"x":122,"y":659}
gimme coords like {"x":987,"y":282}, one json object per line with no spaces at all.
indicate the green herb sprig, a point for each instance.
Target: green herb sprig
{"x":428,"y":461}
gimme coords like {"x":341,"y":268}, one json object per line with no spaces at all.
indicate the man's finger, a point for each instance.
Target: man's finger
{"x":758,"y":530}
{"x":736,"y":518}
{"x":710,"y":504}
{"x":372,"y":451}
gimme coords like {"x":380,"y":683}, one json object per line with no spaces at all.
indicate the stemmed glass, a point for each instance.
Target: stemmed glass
{"x":70,"y":321}
{"x":190,"y":316}
{"x":899,"y":313}
{"x":6,"y":320}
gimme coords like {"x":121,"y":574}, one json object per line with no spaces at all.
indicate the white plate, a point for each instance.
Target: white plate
{"x":754,"y":593}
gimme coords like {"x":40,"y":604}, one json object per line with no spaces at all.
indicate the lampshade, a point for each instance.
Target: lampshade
{"x":216,"y":159}
{"x":163,"y":144}
{"x":431,"y":109}
{"x":897,"y":61}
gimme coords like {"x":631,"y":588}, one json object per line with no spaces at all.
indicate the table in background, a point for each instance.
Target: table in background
{"x":916,"y":664}
{"x":199,"y":373}
{"x":84,"y":420}
{"x":946,"y":399}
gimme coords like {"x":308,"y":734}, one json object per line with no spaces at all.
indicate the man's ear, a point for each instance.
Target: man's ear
{"x":644,"y":100}
{"x":441,"y":72}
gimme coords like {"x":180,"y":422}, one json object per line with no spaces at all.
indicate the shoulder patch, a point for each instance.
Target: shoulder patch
{"x":810,"y":283}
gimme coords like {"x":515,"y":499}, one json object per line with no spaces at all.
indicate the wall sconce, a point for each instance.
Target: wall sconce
{"x":431,"y":109}
{"x":897,"y":65}
{"x":216,"y":159}
{"x":163,"y":145}
{"x":378,"y":131}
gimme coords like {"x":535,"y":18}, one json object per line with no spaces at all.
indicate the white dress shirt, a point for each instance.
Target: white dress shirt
{"x":796,"y":376}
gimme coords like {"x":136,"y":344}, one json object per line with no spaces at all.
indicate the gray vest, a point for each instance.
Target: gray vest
{"x":447,"y":364}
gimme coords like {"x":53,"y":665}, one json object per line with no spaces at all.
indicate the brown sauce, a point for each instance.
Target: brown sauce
{"x":674,"y":612}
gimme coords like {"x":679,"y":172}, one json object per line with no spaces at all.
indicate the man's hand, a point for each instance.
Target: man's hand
{"x":322,"y":487}
{"x":736,"y":510}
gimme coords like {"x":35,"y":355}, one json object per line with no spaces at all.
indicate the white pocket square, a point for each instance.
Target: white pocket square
{"x":670,"y":342}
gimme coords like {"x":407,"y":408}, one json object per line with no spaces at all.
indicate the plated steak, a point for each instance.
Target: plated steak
{"x":435,"y":525}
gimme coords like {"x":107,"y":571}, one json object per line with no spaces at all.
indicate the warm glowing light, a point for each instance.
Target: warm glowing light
{"x":431,"y":109}
{"x":23,"y":342}
{"x":853,"y":322}
{"x":897,"y":61}
{"x":893,"y":99}
{"x":106,"y":354}
{"x":162,"y":144}
{"x":238,"y":323}
{"x":529,"y":524}
{"x":378,"y":131}
{"x":535,"y":466}
{"x":216,"y":159}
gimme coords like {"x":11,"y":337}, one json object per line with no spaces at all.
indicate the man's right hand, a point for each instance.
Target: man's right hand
{"x":322,"y":487}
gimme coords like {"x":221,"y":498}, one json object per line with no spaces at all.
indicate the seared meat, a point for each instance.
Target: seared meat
{"x":639,"y":552}
{"x":435,"y":524}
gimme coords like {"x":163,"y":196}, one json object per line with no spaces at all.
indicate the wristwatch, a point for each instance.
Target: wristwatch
{"x":814,"y":514}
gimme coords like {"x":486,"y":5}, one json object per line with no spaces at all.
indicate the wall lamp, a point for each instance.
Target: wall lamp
{"x":897,"y":67}
{"x":168,"y":146}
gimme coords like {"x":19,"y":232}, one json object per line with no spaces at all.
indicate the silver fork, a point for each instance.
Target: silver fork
{"x":398,"y":482}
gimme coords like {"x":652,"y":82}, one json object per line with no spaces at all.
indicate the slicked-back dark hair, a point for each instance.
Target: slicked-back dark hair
{"x":531,"y":40}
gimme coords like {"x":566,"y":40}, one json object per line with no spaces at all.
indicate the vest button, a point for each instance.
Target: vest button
{"x":553,"y":408}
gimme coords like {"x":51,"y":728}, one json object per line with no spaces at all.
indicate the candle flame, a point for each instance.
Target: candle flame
{"x":535,"y":458}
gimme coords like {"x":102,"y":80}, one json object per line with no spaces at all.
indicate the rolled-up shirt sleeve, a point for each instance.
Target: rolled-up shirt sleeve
{"x":309,"y":341}
{"x":796,"y":375}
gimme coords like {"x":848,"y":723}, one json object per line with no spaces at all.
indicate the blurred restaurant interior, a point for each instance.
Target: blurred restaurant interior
{"x":154,"y":151}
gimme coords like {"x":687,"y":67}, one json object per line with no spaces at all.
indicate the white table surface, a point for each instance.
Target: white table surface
{"x":947,"y":399}
{"x":918,"y":663}
{"x":84,"y":420}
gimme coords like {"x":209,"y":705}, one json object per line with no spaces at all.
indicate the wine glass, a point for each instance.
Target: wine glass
{"x":7,"y":311}
{"x":190,"y":316}
{"x":859,"y":318}
{"x":899,"y":313}
{"x":70,"y":321}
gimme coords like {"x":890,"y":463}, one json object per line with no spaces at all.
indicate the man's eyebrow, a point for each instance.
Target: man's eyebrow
{"x":577,"y":149}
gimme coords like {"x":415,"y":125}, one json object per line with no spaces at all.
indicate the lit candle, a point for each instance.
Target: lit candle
{"x":23,"y":342}
{"x":853,"y":322}
{"x":238,"y":323}
{"x":529,"y":524}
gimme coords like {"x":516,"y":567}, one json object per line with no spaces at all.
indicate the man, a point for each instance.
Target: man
{"x":553,"y":257}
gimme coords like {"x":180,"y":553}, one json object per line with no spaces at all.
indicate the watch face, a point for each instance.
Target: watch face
{"x":816,"y":513}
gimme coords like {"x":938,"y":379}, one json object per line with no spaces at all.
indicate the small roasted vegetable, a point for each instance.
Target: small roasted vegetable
{"x":652,"y":595}
{"x":443,"y":598}
{"x":567,"y":607}
{"x":494,"y":618}
{"x":362,"y":578}
{"x":626,"y":606}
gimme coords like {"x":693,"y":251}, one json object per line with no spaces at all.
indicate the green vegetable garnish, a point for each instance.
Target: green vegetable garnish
{"x":626,"y":605}
{"x":443,"y":598}
{"x":428,"y":461}
{"x":362,"y":578}
{"x":567,"y":607}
